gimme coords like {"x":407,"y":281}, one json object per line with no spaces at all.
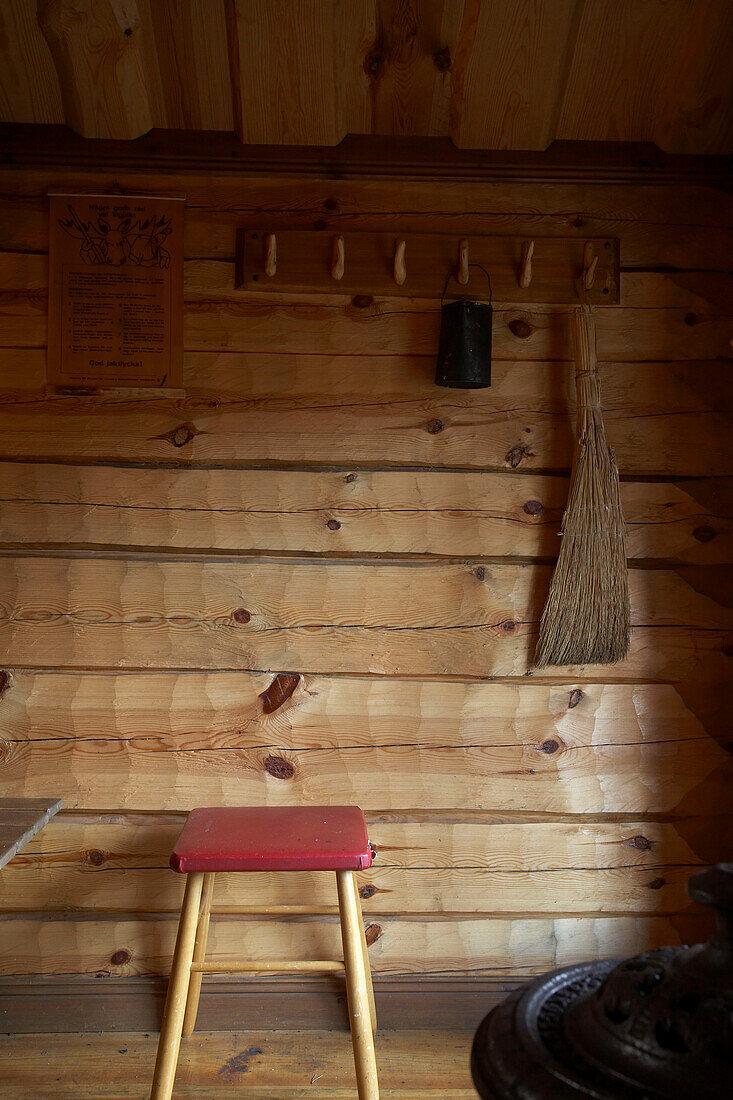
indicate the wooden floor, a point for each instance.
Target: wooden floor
{"x":263,"y":1065}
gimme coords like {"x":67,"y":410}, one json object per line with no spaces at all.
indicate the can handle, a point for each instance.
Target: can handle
{"x":452,"y":275}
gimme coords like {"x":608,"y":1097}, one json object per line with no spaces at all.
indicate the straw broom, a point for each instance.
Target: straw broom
{"x":587,"y":616}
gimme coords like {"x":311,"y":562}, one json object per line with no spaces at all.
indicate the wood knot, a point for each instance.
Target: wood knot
{"x":373,"y":63}
{"x":241,"y":615}
{"x":331,"y":205}
{"x":362,"y":301}
{"x":520,"y":328}
{"x":508,"y":626}
{"x":367,"y":891}
{"x":121,"y":957}
{"x":480,"y":572}
{"x":434,"y":426}
{"x":278,"y":767}
{"x":578,"y":222}
{"x":575,"y":696}
{"x":657,"y":883}
{"x":691,"y":319}
{"x":5,"y":681}
{"x":349,"y":478}
{"x":279,"y":691}
{"x":182,"y":435}
{"x":533,"y":508}
{"x":641,"y":843}
{"x":550,"y":746}
{"x":442,"y":60}
{"x":333,"y":525}
{"x":516,"y":453}
{"x":95,"y":857}
{"x":372,"y":933}
{"x":704,"y":534}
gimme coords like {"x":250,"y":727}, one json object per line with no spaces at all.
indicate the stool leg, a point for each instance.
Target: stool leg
{"x":199,"y":954}
{"x":367,"y":966}
{"x":356,"y":985}
{"x":175,"y":1003}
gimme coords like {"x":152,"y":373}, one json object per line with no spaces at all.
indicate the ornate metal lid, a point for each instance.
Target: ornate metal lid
{"x":659,"y":1025}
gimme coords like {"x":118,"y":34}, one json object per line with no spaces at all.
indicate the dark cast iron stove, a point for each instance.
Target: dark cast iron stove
{"x":655,"y":1027}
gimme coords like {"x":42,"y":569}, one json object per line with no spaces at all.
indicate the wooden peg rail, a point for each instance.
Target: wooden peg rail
{"x":561,"y":270}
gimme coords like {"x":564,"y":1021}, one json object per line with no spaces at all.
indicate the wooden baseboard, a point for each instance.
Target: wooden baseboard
{"x":38,"y":1005}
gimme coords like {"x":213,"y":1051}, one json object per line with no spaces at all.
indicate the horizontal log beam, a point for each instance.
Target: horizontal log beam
{"x":102,"y":889}
{"x":417,"y":619}
{"x":332,"y":512}
{"x":396,"y":945}
{"x":320,"y":410}
{"x":88,"y":844}
{"x":690,"y":777}
{"x":364,"y":326}
{"x":238,"y":710}
{"x":30,"y":1005}
{"x":689,"y":288}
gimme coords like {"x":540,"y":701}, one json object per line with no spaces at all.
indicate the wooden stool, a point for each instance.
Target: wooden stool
{"x":262,"y":838}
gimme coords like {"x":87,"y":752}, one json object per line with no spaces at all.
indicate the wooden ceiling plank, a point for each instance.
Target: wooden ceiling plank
{"x":443,"y":59}
{"x":408,"y":66}
{"x":191,"y":56}
{"x":354,"y":30}
{"x":29,"y":87}
{"x":295,"y":63}
{"x":512,"y":73}
{"x":651,"y":72}
{"x":100,"y":60}
{"x":702,"y":121}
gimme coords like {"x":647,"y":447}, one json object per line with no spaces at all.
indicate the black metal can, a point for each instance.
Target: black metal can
{"x":464,"y":352}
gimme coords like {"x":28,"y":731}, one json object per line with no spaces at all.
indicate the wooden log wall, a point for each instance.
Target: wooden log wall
{"x":314,"y":576}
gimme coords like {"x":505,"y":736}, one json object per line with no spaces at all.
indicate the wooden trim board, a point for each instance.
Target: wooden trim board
{"x":360,"y":155}
{"x":33,"y":1006}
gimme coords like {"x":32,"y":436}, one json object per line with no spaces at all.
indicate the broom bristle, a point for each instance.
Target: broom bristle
{"x":587,"y":618}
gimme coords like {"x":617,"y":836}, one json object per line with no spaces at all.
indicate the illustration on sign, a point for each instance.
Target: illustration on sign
{"x":124,"y":241}
{"x":116,"y":291}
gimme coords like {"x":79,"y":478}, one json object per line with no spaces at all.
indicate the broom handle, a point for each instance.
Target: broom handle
{"x":584,"y":340}
{"x":587,"y":381}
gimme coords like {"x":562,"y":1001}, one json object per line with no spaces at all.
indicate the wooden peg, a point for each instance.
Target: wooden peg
{"x":590,"y":263}
{"x":400,"y":269}
{"x":525,"y":272}
{"x":338,"y":258}
{"x":462,"y":275}
{"x":271,"y":255}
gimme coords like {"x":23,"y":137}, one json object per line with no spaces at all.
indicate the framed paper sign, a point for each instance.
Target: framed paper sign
{"x":115,"y":305}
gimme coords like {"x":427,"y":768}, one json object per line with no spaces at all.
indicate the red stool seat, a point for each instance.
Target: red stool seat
{"x":273,"y":838}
